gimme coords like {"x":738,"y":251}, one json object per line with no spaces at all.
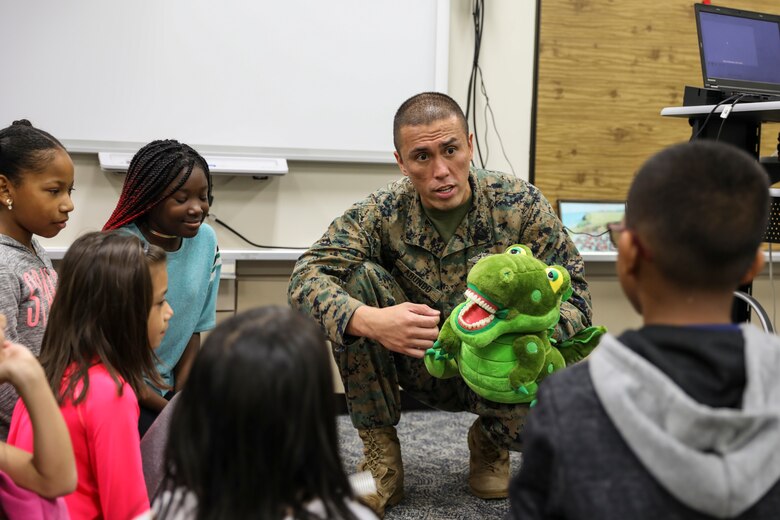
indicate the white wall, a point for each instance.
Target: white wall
{"x":506,"y":59}
{"x":258,"y":76}
{"x":292,"y":210}
{"x":295,"y":209}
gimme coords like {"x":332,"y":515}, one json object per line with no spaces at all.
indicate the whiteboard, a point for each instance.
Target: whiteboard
{"x":301,"y":79}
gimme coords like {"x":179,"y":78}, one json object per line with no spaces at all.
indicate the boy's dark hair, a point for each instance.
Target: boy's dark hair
{"x":101,"y":313}
{"x":25,"y":148}
{"x":701,"y":208}
{"x":254,"y":432}
{"x":424,"y":109}
{"x":150,"y":178}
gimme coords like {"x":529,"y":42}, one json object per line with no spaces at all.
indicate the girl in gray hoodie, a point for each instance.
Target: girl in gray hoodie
{"x":36,"y":181}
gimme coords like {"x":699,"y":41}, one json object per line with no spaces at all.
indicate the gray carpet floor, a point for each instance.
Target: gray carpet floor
{"x":436,"y":465}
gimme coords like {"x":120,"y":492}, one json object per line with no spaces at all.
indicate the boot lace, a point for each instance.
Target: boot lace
{"x":490,"y":455}
{"x":491,"y":458}
{"x":372,"y":452}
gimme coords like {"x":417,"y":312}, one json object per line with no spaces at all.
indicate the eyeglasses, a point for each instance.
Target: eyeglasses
{"x":615,"y":229}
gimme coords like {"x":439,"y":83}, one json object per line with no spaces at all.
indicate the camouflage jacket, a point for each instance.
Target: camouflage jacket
{"x":390,"y":229}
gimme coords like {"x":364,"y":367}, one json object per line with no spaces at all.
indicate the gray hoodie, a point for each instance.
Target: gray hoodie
{"x":27,"y":285}
{"x":718,"y":461}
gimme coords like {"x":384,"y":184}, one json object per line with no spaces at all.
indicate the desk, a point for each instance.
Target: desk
{"x":741,"y":128}
{"x":768,"y":111}
{"x":229,"y":257}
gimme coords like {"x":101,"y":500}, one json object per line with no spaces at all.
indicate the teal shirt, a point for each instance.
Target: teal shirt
{"x":193,"y":282}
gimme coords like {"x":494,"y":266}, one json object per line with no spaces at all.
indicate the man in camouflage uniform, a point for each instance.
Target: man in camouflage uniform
{"x":386,"y":274}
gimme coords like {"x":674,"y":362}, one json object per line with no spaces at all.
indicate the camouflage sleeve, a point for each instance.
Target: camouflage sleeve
{"x":553,"y":245}
{"x":319,"y":275}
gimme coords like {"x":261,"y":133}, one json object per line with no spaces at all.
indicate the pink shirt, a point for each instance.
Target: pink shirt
{"x":104,"y":432}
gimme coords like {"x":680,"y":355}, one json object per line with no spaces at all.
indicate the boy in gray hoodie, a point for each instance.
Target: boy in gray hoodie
{"x":679,"y":419}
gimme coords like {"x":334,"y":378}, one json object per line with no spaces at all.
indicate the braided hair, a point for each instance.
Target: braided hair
{"x":25,"y":148}
{"x":150,"y":179}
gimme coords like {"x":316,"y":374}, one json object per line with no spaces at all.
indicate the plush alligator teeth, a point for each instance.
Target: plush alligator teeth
{"x":482,"y":302}
{"x":479,"y":324}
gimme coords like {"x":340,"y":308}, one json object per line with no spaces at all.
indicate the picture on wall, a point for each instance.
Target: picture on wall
{"x":586,"y":222}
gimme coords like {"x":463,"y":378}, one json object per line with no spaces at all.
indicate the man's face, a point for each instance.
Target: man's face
{"x":436,"y":159}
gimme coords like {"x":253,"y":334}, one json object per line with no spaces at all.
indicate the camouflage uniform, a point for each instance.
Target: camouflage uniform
{"x":384,"y":251}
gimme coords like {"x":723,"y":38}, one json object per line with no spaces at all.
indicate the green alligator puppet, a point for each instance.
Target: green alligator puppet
{"x":499,"y":338}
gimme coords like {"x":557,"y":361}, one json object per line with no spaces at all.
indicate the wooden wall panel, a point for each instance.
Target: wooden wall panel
{"x":606,"y":69}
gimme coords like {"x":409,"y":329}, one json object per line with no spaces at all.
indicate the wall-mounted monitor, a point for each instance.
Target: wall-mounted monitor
{"x":586,"y":222}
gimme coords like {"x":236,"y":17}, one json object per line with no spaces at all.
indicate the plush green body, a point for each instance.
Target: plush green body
{"x":498,"y":339}
{"x":489,"y":370}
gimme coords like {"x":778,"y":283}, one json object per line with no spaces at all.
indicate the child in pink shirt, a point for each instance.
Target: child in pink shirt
{"x":109,"y":314}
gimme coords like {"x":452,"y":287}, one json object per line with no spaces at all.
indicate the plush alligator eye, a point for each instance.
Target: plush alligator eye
{"x":516,"y":251}
{"x":555,"y":278}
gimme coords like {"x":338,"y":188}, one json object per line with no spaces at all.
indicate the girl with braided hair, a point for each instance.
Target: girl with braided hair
{"x":36,"y":180}
{"x":164,"y":200}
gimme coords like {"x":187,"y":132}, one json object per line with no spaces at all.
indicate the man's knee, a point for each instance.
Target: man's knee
{"x":373,"y":285}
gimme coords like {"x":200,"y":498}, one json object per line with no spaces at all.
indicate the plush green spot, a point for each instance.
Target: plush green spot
{"x":533,"y":403}
{"x":550,"y":368}
{"x":532,"y":348}
{"x":536,"y":295}
{"x":522,"y":390}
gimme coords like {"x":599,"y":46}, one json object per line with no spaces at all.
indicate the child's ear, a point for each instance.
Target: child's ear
{"x":629,"y":250}
{"x":5,"y":185}
{"x":755,"y":268}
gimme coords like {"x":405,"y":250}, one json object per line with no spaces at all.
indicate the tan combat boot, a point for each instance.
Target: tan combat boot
{"x":488,"y":466}
{"x":382,"y":457}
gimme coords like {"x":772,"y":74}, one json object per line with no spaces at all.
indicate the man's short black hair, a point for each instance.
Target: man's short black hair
{"x":701,"y":208}
{"x":424,"y":109}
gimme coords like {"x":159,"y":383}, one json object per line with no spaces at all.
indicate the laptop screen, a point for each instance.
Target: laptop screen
{"x":740,"y":50}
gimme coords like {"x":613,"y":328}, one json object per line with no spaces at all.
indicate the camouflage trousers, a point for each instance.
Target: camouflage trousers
{"x":372,"y":375}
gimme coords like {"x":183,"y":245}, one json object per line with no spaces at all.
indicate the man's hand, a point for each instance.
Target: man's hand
{"x":407,"y":328}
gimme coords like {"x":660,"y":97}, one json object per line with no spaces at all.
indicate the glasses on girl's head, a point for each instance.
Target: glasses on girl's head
{"x":615,"y":229}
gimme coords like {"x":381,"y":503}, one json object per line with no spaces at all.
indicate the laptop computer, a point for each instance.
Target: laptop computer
{"x":740,"y":50}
